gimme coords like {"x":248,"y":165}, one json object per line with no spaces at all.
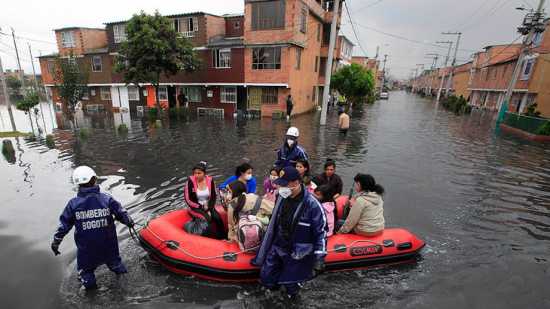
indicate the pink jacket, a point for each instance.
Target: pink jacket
{"x":329,"y":208}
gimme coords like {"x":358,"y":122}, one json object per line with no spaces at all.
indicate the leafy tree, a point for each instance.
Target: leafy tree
{"x":14,"y":85}
{"x":353,"y":81}
{"x":153,"y":49}
{"x":30,"y":100}
{"x":71,"y":83}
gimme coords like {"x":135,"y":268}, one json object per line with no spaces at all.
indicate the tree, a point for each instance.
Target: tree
{"x":30,"y":100}
{"x":353,"y":81}
{"x":153,"y":49}
{"x":71,"y":83}
{"x":14,"y":85}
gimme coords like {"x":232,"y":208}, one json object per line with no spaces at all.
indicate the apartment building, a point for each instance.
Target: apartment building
{"x":250,"y":61}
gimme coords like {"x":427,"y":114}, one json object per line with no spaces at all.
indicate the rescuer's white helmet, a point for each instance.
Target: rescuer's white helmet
{"x":293,"y":131}
{"x":83,"y":174}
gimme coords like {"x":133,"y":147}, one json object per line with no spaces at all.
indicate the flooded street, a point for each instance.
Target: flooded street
{"x":480,"y":200}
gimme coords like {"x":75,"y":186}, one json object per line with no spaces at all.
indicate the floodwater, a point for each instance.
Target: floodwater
{"x":480,"y":200}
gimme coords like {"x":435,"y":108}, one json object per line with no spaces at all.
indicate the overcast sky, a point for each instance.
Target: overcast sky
{"x":404,"y":29}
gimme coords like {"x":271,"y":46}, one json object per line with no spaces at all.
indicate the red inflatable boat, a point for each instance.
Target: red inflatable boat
{"x":187,"y":254}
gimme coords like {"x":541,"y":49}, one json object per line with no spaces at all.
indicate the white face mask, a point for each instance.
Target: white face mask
{"x":248,"y":177}
{"x":285,"y":192}
{"x":273,"y":178}
{"x":290,"y":142}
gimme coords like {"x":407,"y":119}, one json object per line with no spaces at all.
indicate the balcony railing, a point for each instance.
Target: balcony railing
{"x":533,"y":125}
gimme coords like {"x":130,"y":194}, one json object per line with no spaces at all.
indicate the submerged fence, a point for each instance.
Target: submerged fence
{"x":533,"y":125}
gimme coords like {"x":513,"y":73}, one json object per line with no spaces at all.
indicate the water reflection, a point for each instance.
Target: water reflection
{"x":481,"y":201}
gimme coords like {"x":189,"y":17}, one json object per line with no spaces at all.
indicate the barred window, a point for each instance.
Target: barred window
{"x":105,"y":93}
{"x":163,"y":93}
{"x":228,"y":95}
{"x":270,"y":95}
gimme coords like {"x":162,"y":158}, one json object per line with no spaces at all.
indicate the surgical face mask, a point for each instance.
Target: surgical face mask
{"x":285,"y":192}
{"x":273,"y":177}
{"x":290,"y":142}
{"x":248,"y":177}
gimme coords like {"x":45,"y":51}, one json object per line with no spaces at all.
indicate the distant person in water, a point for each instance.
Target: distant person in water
{"x":243,"y":173}
{"x":343,"y":122}
{"x":290,"y":152}
{"x":93,"y":215}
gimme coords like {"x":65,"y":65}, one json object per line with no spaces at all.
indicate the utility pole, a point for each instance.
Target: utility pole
{"x":384,"y":73}
{"x":36,"y":87}
{"x":328,"y":68}
{"x":417,"y":75}
{"x":434,"y":65}
{"x":444,"y":67}
{"x":7,"y":96}
{"x":18,"y":61}
{"x":532,"y":24}
{"x":450,"y":81}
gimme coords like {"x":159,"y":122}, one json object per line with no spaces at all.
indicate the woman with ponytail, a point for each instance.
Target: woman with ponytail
{"x":366,"y":216}
{"x":241,"y":203}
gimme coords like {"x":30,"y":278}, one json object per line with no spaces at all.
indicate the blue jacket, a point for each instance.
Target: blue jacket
{"x":93,"y":215}
{"x":250,"y":184}
{"x":288,"y":156}
{"x":308,"y":242}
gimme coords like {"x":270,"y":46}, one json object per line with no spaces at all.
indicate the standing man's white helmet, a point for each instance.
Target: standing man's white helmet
{"x":83,"y":174}
{"x":293,"y":131}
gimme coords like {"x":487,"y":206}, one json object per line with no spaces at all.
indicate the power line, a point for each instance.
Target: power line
{"x":369,"y":5}
{"x":353,"y":28}
{"x":491,"y":12}
{"x":410,"y":40}
{"x":29,"y":39}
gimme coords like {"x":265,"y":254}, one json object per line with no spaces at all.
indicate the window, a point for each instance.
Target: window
{"x":163,"y":93}
{"x":86,"y":94}
{"x":188,"y":26}
{"x":176,"y":25}
{"x":318,"y":32}
{"x":537,"y":39}
{"x":269,"y":95}
{"x":313,"y":94}
{"x":96,"y":64}
{"x":303,"y":20}
{"x":105,"y":93}
{"x":264,"y":58}
{"x":67,"y":39}
{"x":119,"y":32}
{"x":527,"y":69}
{"x":316,"y":65}
{"x":133,"y":93}
{"x":51,"y":66}
{"x":222,"y":58}
{"x":193,"y":94}
{"x":298,"y":58}
{"x":228,"y":95}
{"x":268,"y":15}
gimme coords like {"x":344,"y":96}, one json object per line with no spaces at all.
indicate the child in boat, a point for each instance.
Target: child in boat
{"x":242,"y":202}
{"x":324,"y":196}
{"x":270,"y":188}
{"x":366,"y":216}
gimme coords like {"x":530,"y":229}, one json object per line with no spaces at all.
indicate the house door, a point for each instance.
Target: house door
{"x":255,"y":98}
{"x":241,"y":99}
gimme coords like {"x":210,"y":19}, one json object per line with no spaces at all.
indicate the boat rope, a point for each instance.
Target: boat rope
{"x":221,"y":256}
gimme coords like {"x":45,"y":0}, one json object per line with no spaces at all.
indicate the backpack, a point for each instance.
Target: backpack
{"x":250,"y":230}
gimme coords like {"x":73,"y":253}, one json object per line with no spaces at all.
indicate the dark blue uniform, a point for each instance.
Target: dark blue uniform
{"x":93,"y":215}
{"x":287,"y":156}
{"x":291,"y":248}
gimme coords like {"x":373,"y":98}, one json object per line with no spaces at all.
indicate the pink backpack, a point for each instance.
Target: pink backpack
{"x":250,"y":230}
{"x":329,"y":208}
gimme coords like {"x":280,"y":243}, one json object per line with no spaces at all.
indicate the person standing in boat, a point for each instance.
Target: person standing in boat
{"x":329,"y":177}
{"x":243,"y":173}
{"x":294,"y":246}
{"x":366,"y":216}
{"x":290,"y":152}
{"x":93,"y":215}
{"x":200,"y":196}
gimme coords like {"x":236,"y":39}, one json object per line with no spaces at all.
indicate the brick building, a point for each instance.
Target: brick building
{"x":250,"y":61}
